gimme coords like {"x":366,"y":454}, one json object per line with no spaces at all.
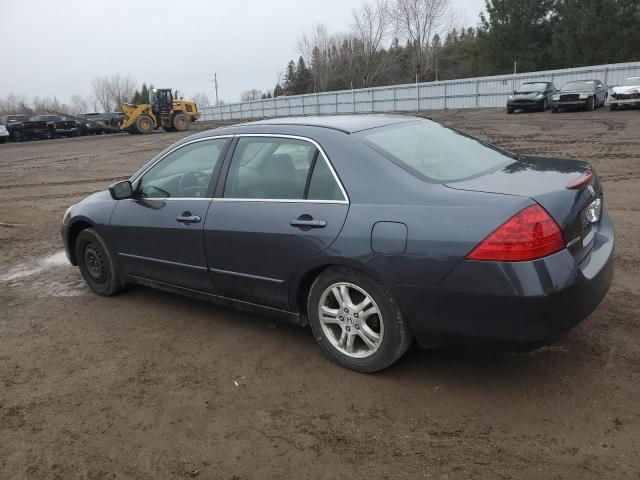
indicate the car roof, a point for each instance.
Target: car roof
{"x":344,"y":123}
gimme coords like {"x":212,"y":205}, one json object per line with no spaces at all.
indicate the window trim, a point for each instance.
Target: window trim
{"x":345,"y":199}
{"x":136,"y":179}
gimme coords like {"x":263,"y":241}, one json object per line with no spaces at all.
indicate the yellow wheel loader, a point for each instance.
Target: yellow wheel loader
{"x":172,"y":114}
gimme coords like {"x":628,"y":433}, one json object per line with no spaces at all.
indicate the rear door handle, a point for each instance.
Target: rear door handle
{"x":307,"y":221}
{"x":187,"y":218}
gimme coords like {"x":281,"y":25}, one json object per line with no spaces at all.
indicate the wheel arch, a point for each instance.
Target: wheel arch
{"x":305,"y":276}
{"x":72,"y":235}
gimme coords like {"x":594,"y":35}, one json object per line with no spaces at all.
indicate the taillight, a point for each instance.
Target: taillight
{"x":528,"y":235}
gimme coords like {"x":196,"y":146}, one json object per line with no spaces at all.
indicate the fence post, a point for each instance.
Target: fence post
{"x":395,"y":108}
{"x":317,"y":104}
{"x":445,"y":95}
{"x":289,"y":105}
{"x":336,"y":102}
{"x":353,"y":100}
{"x":477,"y":93}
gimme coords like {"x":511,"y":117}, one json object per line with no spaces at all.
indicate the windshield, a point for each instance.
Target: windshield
{"x":631,"y":82}
{"x":434,"y":152}
{"x":531,"y":87}
{"x":578,"y":86}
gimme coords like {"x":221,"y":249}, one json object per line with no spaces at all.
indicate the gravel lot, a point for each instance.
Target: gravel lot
{"x":148,"y":385}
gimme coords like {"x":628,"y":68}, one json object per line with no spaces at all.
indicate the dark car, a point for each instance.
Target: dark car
{"x":531,"y":96}
{"x":587,"y":94}
{"x":59,"y":126}
{"x":23,"y":127}
{"x":372,"y":229}
{"x":92,"y":124}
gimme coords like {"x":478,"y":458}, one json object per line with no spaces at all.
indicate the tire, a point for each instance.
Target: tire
{"x":554,"y":109}
{"x":613,"y":107}
{"x":17,"y":136}
{"x":181,"y":122}
{"x":545,"y":105}
{"x":393,"y":334}
{"x":591,"y":104}
{"x":96,"y":264}
{"x":510,"y":110}
{"x":4,"y":140}
{"x":144,"y":124}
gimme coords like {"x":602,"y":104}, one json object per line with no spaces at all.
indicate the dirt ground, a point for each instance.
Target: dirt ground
{"x":148,"y":385}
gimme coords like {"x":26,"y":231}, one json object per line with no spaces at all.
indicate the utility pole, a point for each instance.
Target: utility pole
{"x":215,"y":83}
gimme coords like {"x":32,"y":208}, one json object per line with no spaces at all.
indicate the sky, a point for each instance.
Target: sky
{"x":58,"y":47}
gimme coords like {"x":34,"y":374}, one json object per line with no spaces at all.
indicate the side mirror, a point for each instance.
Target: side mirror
{"x":121,"y":190}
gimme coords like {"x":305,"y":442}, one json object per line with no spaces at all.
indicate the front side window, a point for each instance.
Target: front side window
{"x":434,"y":152}
{"x":274,"y":168}
{"x":183,"y":173}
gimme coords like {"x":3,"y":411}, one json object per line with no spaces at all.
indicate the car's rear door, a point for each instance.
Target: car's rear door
{"x":280,"y":205}
{"x":158,"y":235}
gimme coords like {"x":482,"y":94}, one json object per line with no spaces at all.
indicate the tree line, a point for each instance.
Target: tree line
{"x":404,"y":41}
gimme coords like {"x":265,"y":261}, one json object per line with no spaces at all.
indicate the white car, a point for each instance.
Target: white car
{"x":628,"y":93}
{"x":4,"y":134}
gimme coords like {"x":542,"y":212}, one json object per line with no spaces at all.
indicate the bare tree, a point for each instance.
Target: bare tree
{"x":49,"y":104}
{"x":249,"y":95}
{"x":79,"y":103}
{"x":121,"y":88}
{"x":15,"y":104}
{"x":317,"y":50}
{"x":419,"y":20}
{"x":370,"y":27}
{"x":110,"y":92}
{"x":102,"y":93}
{"x":201,"y":99}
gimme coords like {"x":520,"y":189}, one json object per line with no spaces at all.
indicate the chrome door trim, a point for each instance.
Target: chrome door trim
{"x":345,"y":197}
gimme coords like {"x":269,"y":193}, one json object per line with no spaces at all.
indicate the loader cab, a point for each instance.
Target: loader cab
{"x":161,"y":99}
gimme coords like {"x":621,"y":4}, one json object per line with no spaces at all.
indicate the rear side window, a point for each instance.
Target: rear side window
{"x":277,"y":168}
{"x":434,"y":152}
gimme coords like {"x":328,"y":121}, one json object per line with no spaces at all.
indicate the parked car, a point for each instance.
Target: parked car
{"x":531,"y":96}
{"x":589,"y":94}
{"x":93,"y":124}
{"x":372,"y":229}
{"x":627,"y":94}
{"x":59,"y":126}
{"x":22,"y":127}
{"x":4,"y":134}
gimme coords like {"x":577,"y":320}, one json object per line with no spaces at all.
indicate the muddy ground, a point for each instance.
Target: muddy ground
{"x":148,"y":385}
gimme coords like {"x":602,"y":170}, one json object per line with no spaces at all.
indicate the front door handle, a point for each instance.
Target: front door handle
{"x":307,"y":221}
{"x":187,"y":218}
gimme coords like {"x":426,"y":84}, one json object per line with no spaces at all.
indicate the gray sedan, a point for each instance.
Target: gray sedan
{"x":375,"y":230}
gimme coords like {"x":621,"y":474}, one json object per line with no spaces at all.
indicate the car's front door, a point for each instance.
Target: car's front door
{"x":282,"y":204}
{"x":158,"y":234}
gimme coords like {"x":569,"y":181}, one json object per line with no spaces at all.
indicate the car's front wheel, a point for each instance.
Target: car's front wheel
{"x":356,"y":321}
{"x":96,"y":264}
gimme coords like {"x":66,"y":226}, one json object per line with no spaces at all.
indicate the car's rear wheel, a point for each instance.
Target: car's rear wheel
{"x":96,"y":264}
{"x":613,"y":107}
{"x":17,"y":136}
{"x":355,"y":321}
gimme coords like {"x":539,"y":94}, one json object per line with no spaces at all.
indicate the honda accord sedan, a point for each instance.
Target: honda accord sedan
{"x":373,"y":230}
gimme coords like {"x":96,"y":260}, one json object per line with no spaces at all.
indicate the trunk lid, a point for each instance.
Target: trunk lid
{"x":545,"y":180}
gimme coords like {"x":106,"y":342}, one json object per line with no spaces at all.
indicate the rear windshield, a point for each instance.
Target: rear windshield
{"x":434,"y":152}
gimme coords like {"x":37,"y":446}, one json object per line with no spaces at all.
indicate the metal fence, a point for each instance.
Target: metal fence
{"x":479,"y":92}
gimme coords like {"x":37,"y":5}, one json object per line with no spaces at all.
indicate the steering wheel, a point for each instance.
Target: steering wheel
{"x":193,"y":184}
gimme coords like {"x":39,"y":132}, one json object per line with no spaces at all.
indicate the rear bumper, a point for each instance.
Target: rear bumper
{"x":518,"y":305}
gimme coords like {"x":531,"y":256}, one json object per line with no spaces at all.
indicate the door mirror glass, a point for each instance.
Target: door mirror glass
{"x":121,"y":190}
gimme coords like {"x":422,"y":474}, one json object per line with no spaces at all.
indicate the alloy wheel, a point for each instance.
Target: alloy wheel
{"x":351,"y":320}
